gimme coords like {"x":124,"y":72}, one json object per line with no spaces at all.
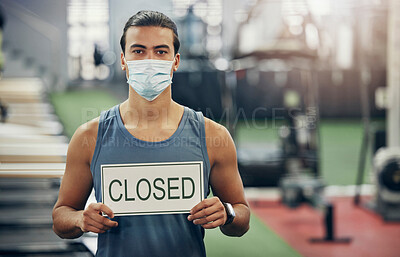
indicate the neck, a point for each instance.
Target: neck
{"x":137,"y":112}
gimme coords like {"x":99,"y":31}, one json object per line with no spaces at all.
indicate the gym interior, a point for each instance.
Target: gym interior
{"x":308,"y":89}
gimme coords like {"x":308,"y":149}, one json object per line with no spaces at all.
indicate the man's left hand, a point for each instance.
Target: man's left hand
{"x":209,"y":213}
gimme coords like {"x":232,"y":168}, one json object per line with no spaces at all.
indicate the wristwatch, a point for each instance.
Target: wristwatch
{"x":230,"y":213}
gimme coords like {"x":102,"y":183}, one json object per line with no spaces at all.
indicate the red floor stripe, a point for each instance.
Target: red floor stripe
{"x":371,"y":236}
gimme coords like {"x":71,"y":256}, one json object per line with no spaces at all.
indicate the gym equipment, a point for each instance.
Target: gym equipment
{"x":3,"y":112}
{"x":298,"y":189}
{"x":37,"y":216}
{"x":24,"y":206}
{"x":24,"y":90}
{"x":386,"y":161}
{"x":299,"y":180}
{"x":287,"y":64}
{"x":12,"y":183}
{"x":302,"y":188}
{"x":45,"y":128}
{"x":25,"y":218}
{"x":292,"y":62}
{"x":33,"y":153}
{"x":29,"y":187}
{"x":27,"y":197}
{"x":35,"y":170}
{"x":329,"y":222}
{"x":387,"y":176}
{"x":38,"y":242}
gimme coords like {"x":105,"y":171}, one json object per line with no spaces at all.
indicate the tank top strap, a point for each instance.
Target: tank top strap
{"x":100,"y":132}
{"x":202,"y":129}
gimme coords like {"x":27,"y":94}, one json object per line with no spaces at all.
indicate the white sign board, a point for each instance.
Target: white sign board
{"x":152,"y":188}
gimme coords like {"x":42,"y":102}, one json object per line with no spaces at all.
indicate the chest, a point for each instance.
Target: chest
{"x":152,"y":134}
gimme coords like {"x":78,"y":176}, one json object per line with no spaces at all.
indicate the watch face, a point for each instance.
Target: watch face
{"x":229,"y":209}
{"x":229,"y":212}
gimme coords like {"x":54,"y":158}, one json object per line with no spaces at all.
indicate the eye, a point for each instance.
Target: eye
{"x":137,"y":51}
{"x":161,"y":52}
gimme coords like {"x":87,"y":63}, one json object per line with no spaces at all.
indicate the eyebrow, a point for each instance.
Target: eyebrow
{"x":137,"y":45}
{"x":144,"y":47}
{"x":161,"y":46}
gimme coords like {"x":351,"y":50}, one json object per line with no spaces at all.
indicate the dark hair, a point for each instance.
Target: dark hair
{"x":151,"y":18}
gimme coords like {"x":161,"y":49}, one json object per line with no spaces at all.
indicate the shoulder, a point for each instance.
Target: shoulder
{"x":83,"y":142}
{"x":87,"y":130}
{"x":215,"y":130}
{"x":220,"y":145}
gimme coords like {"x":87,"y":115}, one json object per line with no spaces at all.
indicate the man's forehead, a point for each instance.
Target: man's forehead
{"x":149,"y":35}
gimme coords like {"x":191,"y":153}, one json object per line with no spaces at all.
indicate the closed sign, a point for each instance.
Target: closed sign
{"x":152,"y":188}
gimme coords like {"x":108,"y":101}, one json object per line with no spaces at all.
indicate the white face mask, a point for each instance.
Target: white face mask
{"x":149,"y":78}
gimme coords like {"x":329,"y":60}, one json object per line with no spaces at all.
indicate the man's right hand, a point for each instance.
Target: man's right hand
{"x":92,"y":219}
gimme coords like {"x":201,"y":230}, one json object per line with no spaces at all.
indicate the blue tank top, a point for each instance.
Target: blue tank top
{"x":150,"y":235}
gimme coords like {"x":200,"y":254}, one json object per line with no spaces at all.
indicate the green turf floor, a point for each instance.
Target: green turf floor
{"x":341,"y":141}
{"x":77,"y":107}
{"x":341,"y":144}
{"x":259,"y":241}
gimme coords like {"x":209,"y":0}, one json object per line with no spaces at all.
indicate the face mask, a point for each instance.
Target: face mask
{"x":149,"y":78}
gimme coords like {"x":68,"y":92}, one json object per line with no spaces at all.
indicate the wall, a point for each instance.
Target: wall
{"x":35,"y":40}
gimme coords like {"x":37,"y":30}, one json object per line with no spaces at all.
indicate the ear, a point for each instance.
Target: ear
{"x":177,"y":60}
{"x":123,"y":63}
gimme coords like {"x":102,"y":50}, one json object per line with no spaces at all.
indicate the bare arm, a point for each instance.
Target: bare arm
{"x":226,"y":185}
{"x":69,"y":218}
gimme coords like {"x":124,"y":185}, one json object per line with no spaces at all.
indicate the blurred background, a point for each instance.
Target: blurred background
{"x":309,"y":90}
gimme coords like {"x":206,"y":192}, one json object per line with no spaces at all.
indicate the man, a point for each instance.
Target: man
{"x":149,"y":127}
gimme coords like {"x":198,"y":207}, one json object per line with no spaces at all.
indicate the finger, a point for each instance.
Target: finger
{"x":206,"y":212}
{"x":98,"y":219}
{"x":90,"y":228}
{"x":95,"y":206}
{"x":214,"y":224}
{"x":99,"y":225}
{"x":103,"y":208}
{"x":90,"y":225}
{"x":92,"y":217}
{"x":212,"y":218}
{"x":203,"y":204}
{"x":203,"y":213}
